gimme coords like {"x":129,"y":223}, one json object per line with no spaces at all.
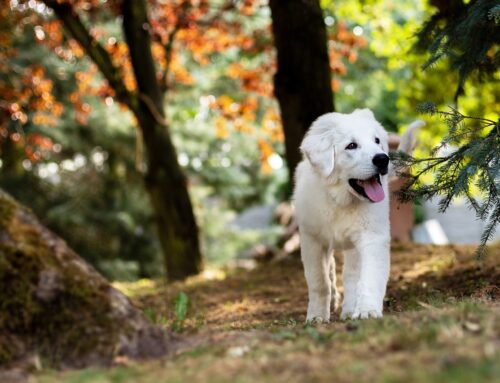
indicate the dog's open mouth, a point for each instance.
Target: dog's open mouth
{"x":370,"y":188}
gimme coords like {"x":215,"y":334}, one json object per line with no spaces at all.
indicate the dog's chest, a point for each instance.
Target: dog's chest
{"x":343,"y":231}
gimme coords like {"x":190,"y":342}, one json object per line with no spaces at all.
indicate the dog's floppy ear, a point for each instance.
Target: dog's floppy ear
{"x":319,"y":150}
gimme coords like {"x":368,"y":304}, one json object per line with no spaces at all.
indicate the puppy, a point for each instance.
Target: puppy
{"x":341,"y":202}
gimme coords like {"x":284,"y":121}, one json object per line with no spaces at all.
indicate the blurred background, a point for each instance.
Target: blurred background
{"x":72,"y":152}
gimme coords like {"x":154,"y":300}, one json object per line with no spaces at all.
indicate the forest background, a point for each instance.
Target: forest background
{"x":74,"y":154}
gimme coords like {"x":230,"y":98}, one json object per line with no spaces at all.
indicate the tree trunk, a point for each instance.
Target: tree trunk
{"x":12,"y":157}
{"x":167,"y":187}
{"x":302,"y":82}
{"x":56,"y":308}
{"x":165,"y":181}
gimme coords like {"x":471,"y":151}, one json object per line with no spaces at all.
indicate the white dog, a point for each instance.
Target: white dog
{"x":342,"y":203}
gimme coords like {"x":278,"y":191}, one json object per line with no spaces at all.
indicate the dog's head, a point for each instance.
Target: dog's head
{"x":350,"y":150}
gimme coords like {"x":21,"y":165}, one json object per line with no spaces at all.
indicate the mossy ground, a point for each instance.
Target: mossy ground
{"x":442,"y":323}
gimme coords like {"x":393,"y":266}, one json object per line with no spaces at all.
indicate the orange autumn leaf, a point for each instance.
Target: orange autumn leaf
{"x":353,"y":56}
{"x":221,"y":130}
{"x":243,"y":126}
{"x":271,"y":123}
{"x":336,"y":85}
{"x":203,"y":34}
{"x":343,"y":44}
{"x":266,"y":150}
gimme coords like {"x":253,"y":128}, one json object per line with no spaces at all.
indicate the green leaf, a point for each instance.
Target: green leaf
{"x":180,"y":310}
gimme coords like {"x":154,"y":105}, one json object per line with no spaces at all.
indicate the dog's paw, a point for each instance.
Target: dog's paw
{"x":365,"y":314}
{"x":316,"y":321}
{"x":319,"y":313}
{"x":360,"y":313}
{"x":318,"y":316}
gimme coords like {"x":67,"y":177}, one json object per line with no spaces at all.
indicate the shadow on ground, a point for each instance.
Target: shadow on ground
{"x":275,"y":293}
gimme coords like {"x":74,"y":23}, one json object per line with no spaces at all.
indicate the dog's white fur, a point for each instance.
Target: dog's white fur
{"x":332,"y":216}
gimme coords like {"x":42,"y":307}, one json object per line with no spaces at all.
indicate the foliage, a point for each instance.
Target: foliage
{"x":80,"y":167}
{"x":465,"y":32}
{"x":466,"y":161}
{"x":91,"y":194}
{"x":385,"y":76}
{"x":58,"y":116}
{"x":100,"y":208}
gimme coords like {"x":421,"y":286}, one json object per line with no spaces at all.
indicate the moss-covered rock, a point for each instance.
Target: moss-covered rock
{"x":57,"y":307}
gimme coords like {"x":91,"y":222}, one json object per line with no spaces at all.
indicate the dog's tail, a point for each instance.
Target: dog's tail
{"x":407,"y":142}
{"x":409,"y":138}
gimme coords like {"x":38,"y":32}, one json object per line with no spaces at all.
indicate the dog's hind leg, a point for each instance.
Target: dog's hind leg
{"x":316,"y":262}
{"x":333,"y":279}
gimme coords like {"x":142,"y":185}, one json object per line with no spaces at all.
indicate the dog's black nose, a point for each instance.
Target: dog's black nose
{"x":381,"y":161}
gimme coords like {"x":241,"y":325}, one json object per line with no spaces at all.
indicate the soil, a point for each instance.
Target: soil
{"x":441,"y":324}
{"x":275,"y":292}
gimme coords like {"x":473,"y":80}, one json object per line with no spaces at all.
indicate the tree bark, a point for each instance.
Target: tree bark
{"x":164,"y":180}
{"x":302,"y":82}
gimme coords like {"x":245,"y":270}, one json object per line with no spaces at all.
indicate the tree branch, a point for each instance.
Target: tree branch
{"x":74,"y":25}
{"x":168,"y":55}
{"x":226,"y":6}
{"x":168,"y":47}
{"x":137,"y":34}
{"x":181,"y":22}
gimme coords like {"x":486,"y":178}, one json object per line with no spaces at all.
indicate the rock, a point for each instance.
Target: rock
{"x":261,"y":253}
{"x":430,"y":231}
{"x":57,"y":308}
{"x":255,"y":218}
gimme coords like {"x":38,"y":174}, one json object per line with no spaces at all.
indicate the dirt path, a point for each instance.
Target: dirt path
{"x":275,"y":293}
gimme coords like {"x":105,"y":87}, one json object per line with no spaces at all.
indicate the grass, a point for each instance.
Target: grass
{"x":442,"y":324}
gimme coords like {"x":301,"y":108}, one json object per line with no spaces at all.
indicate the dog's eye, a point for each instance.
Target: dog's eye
{"x":377,"y":141}
{"x":351,"y":146}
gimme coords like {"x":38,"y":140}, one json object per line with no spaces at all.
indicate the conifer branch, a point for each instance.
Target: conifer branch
{"x":468,"y":157}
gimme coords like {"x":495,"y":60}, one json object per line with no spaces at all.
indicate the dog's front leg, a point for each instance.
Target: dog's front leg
{"x":374,"y":257}
{"x":317,"y":271}
{"x":350,"y":276}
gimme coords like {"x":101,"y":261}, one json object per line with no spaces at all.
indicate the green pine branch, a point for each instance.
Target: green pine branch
{"x":467,"y":33}
{"x":467,"y":159}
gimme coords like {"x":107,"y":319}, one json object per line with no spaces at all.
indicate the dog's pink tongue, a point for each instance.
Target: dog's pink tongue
{"x":373,"y":189}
